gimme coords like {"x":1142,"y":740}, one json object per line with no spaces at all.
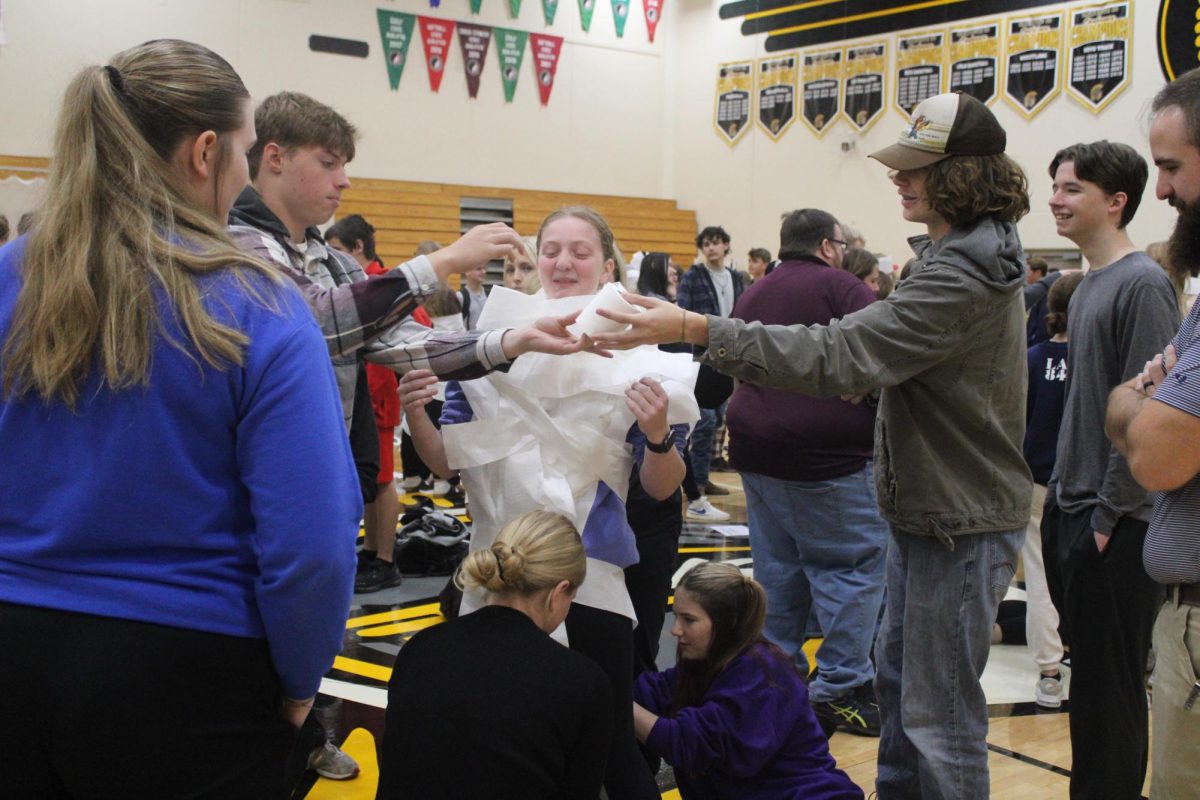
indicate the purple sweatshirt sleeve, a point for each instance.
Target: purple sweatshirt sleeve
{"x":652,"y":690}
{"x":741,"y":724}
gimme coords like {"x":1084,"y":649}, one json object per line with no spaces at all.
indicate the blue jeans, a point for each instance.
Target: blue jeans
{"x":701,"y":449}
{"x":820,"y":546}
{"x":932,"y":648}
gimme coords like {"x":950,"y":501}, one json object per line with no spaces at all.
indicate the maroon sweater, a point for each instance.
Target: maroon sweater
{"x":787,"y":435}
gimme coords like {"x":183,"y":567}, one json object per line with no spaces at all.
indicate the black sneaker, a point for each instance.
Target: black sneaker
{"x":856,"y":713}
{"x":377,"y":575}
{"x":365,"y":557}
{"x":715,"y":490}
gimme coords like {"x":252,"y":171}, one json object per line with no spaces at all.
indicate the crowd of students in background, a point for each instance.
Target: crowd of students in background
{"x":232,"y":380}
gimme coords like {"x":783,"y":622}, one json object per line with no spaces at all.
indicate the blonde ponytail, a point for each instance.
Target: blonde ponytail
{"x":116,"y":234}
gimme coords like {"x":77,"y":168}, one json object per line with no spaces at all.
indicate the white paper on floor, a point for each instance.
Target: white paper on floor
{"x":733,"y":531}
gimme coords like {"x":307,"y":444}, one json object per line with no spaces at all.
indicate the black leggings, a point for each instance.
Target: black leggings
{"x":101,"y":708}
{"x":607,"y":639}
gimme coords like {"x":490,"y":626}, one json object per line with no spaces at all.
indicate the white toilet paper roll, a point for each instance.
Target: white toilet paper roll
{"x":609,"y":298}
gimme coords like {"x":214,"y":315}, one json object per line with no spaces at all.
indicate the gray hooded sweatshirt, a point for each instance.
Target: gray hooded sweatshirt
{"x":947,"y":349}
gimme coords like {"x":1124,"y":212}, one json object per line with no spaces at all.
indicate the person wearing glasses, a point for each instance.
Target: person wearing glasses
{"x":815,"y":530}
{"x":947,"y":355}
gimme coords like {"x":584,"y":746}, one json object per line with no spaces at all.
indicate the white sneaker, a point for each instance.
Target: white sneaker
{"x":408,"y":484}
{"x":1049,"y":691}
{"x":703,"y":511}
{"x":440,"y":488}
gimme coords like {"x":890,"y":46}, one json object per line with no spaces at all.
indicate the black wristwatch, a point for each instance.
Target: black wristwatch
{"x":665,"y":445}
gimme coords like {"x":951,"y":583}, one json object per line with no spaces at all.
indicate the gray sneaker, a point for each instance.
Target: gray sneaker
{"x":1049,"y":691}
{"x":330,"y":762}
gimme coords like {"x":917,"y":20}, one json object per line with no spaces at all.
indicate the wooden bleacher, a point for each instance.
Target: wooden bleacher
{"x":407,"y":212}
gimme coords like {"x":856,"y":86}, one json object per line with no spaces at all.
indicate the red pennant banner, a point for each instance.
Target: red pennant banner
{"x":546,"y":49}
{"x":436,"y":35}
{"x":653,"y":10}
{"x":474,"y":41}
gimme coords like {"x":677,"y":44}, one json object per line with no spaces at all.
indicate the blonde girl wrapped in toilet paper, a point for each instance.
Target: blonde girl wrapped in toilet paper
{"x":560,"y":434}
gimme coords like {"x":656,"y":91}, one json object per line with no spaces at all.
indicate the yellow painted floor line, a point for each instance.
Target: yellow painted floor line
{"x":402,"y":627}
{"x":359,"y":745}
{"x":363,"y":668}
{"x":672,"y":795}
{"x":395,"y":615}
{"x":723,"y":549}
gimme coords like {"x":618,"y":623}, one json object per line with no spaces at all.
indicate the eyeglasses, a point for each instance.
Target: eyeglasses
{"x":838,"y":241}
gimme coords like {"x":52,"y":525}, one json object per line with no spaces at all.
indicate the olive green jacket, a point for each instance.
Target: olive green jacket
{"x":947,"y":349}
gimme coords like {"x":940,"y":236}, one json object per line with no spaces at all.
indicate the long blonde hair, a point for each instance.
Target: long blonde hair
{"x":533,"y":553}
{"x":116,"y":229}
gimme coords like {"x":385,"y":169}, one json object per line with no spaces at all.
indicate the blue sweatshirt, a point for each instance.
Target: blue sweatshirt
{"x":223,"y":502}
{"x":1044,"y":407}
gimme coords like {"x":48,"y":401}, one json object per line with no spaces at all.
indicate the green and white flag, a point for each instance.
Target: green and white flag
{"x":395,"y":27}
{"x":510,"y":47}
{"x":620,"y":15}
{"x":549,"y":9}
{"x":586,"y":7}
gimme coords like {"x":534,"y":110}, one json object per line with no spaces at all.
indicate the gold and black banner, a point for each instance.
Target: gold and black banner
{"x":865,"y":70}
{"x":1178,"y":44}
{"x":1033,"y":63}
{"x":1101,"y":37}
{"x":822,"y":89}
{"x":731,"y":110}
{"x":975,"y":60}
{"x":777,"y":94}
{"x":919,"y":68}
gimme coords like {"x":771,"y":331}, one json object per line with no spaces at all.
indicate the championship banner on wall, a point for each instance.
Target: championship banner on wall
{"x":777,"y":94}
{"x":620,"y":15}
{"x":395,"y":28}
{"x":586,"y":7}
{"x":653,"y":12}
{"x":975,"y":60}
{"x":1033,"y":63}
{"x":918,"y":68}
{"x":435,"y":36}
{"x":865,"y":70}
{"x":549,"y":9}
{"x":476,"y":5}
{"x":546,"y":51}
{"x":1101,"y":36}
{"x":474,"y":41}
{"x":514,"y":8}
{"x":822,"y":89}
{"x":1178,"y":44}
{"x":510,"y":48}
{"x":731,"y":114}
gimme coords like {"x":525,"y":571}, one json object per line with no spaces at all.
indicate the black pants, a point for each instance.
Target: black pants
{"x":101,"y":708}
{"x":649,"y":584}
{"x":1109,"y":604}
{"x":607,"y":639}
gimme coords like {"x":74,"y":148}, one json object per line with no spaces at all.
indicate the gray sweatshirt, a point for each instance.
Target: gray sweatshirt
{"x":1120,"y":317}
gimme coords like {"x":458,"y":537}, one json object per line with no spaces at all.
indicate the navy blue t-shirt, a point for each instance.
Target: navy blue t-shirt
{"x":1044,"y":408}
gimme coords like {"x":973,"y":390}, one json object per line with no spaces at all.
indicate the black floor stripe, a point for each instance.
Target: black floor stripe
{"x":1004,"y":751}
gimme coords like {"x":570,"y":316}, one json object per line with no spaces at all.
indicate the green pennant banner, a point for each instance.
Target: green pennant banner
{"x":395,"y":27}
{"x":549,"y":9}
{"x":586,"y":7}
{"x":476,"y":5}
{"x":514,"y":8}
{"x":510,"y":45}
{"x":620,"y":14}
